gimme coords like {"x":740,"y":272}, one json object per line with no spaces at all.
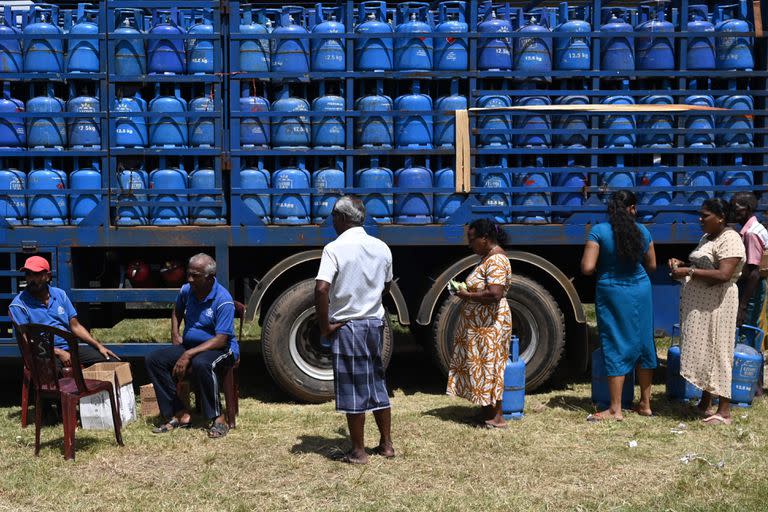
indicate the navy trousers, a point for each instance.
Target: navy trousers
{"x":88,"y":356}
{"x":204,"y":371}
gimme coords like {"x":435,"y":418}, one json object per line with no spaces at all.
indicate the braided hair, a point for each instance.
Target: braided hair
{"x":627,"y":236}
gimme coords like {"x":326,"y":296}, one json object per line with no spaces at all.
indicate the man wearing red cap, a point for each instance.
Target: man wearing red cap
{"x":41,"y":303}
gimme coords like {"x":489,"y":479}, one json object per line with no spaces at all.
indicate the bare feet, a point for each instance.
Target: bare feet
{"x":386,"y":450}
{"x":354,"y":457}
{"x":642,"y":410}
{"x":605,"y":415}
{"x":495,"y":423}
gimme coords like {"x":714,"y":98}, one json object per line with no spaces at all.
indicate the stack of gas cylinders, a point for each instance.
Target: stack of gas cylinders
{"x":361,"y":97}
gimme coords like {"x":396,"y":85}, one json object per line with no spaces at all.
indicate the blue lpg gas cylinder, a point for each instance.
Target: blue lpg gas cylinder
{"x":700,"y":50}
{"x":167,"y":130}
{"x":290,"y":207}
{"x":84,"y":132}
{"x":13,"y":206}
{"x":133,"y":185}
{"x":573,"y":196}
{"x":493,"y":177}
{"x":577,"y":124}
{"x":372,"y":129}
{"x":677,"y":387}
{"x":43,"y":54}
{"x":572,"y":51}
{"x":200,"y":52}
{"x":451,"y":52}
{"x":618,"y":53}
{"x":619,"y":121}
{"x":130,"y":131}
{"x":259,"y":204}
{"x":699,"y":121}
{"x":46,"y":131}
{"x":413,"y":130}
{"x":328,"y":183}
{"x":601,"y":397}
{"x":290,"y":54}
{"x":445,"y":122}
{"x":413,"y":207}
{"x":167,"y":186}
{"x":328,"y":132}
{"x":446,"y":204}
{"x":536,"y":125}
{"x":499,"y":121}
{"x":83,"y":54}
{"x":537,"y":200}
{"x":46,"y":206}
{"x":533,"y":54}
{"x":130,"y":56}
{"x":11,"y":58}
{"x":166,"y":55}
{"x":662,"y":124}
{"x":656,"y":52}
{"x":747,"y":365}
{"x":615,"y":180}
{"x":739,"y":128}
{"x":660,"y":180}
{"x":202,"y":130}
{"x":254,"y":131}
{"x":494,"y":53}
{"x":82,"y":204}
{"x":254,"y":50}
{"x":513,"y":398}
{"x":733,"y":53}
{"x":744,"y":180}
{"x":13,"y":132}
{"x":413,"y":53}
{"x":205,"y":212}
{"x":703,"y":181}
{"x":378,"y":205}
{"x":374,"y":53}
{"x":292,"y":130}
{"x":329,"y":53}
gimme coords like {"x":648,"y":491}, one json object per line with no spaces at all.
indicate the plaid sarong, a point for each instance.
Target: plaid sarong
{"x":358,"y":371}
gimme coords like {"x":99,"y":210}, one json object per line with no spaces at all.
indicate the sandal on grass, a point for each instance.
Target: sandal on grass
{"x":717,"y":419}
{"x":218,"y":430}
{"x":173,"y":424}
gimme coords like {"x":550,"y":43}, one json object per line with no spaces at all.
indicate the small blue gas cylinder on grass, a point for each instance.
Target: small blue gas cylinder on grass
{"x":678,"y":388}
{"x":747,"y":365}
{"x":601,"y":396}
{"x":513,"y":398}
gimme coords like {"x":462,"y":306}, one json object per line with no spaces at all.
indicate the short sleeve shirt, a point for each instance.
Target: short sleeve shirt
{"x":204,"y":319}
{"x":609,"y":264}
{"x":755,"y":238}
{"x":26,"y":309}
{"x":357,"y":266}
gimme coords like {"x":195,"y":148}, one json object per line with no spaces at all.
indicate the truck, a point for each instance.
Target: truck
{"x":231,"y":129}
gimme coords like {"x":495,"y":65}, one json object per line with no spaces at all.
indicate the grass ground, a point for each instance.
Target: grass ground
{"x":280,"y":458}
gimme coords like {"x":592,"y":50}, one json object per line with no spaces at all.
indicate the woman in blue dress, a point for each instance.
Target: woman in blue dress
{"x":621,"y":253}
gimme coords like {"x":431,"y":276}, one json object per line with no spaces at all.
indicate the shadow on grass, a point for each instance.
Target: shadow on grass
{"x":331,"y":448}
{"x":461,"y":414}
{"x":571,"y":403}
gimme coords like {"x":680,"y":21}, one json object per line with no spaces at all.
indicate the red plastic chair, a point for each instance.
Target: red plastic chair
{"x":36,"y":345}
{"x":230,"y":380}
{"x":26,"y":379}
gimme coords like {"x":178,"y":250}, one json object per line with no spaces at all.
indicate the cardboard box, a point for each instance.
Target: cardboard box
{"x":95,"y":410}
{"x":148,"y":400}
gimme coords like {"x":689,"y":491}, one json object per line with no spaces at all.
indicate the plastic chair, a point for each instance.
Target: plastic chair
{"x":36,"y":345}
{"x":26,"y":379}
{"x":230,"y":380}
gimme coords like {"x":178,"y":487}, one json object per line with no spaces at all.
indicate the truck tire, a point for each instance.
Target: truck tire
{"x":290,"y":343}
{"x":536,"y":320}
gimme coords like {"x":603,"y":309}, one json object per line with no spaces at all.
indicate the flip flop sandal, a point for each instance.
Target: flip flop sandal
{"x":218,"y":430}
{"x":716,"y":419}
{"x":491,"y":426}
{"x":171,"y":425}
{"x":636,"y":410}
{"x":596,"y":417}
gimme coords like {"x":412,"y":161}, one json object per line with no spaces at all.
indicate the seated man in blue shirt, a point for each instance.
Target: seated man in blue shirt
{"x":207,"y":346}
{"x":41,"y":303}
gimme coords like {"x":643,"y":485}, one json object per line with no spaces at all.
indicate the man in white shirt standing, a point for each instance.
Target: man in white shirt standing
{"x":355,"y":272}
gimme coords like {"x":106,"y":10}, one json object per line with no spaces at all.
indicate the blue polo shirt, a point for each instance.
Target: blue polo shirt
{"x":26,"y":309}
{"x":203,"y":320}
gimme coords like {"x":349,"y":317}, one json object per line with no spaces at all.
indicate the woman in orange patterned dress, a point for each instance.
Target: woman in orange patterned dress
{"x":481,"y":347}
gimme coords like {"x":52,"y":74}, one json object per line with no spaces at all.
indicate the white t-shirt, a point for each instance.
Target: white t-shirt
{"x":357,"y":266}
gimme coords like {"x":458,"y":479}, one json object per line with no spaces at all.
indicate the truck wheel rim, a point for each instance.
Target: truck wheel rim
{"x":526,"y":328}
{"x":306,"y":352}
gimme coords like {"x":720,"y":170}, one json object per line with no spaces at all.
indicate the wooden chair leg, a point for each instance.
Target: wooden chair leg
{"x":38,"y":422}
{"x":236,"y":372}
{"x":25,"y":385}
{"x":69,"y":419}
{"x":230,"y":395}
{"x":117,"y":422}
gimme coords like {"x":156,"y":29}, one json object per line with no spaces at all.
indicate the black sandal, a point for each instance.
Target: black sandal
{"x":218,"y":430}
{"x":173,"y":424}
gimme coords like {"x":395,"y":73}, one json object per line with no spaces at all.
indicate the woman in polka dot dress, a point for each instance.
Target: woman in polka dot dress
{"x":709,"y":303}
